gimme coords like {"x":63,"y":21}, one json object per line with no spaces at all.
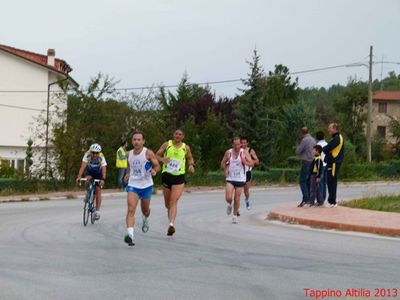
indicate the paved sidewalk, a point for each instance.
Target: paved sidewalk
{"x":340,"y":218}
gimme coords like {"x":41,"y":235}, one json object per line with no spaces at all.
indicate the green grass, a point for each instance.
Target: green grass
{"x":382,"y":203}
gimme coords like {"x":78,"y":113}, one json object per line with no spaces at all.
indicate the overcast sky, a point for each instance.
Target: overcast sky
{"x":147,"y":42}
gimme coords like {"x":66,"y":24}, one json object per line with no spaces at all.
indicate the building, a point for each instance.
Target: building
{"x":385,"y":105}
{"x":28,"y":83}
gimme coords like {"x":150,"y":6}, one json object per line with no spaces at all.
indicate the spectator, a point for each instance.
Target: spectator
{"x":305,"y":152}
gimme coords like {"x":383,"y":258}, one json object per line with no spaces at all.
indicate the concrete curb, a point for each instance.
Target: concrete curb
{"x":344,"y":219}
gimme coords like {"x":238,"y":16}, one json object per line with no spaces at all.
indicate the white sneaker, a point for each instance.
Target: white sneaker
{"x":97,"y":216}
{"x":333,"y":205}
{"x":234,"y":219}
{"x":229,"y":209}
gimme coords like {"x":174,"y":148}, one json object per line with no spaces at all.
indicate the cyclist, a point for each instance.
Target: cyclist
{"x":95,"y":166}
{"x":173,"y":154}
{"x":142,"y":165}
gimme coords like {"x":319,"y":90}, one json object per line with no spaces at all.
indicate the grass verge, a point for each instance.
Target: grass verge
{"x":389,"y":203}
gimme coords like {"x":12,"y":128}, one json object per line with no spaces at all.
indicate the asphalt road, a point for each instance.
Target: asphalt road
{"x":46,"y":253}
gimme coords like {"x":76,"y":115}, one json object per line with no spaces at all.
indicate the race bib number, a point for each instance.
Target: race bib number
{"x":137,"y":170}
{"x":173,"y":166}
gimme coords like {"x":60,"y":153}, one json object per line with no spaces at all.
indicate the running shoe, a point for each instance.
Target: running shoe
{"x":171,"y":230}
{"x":248,"y":204}
{"x":229,"y":209}
{"x":129,"y":240}
{"x":333,"y":205}
{"x":234,"y":219}
{"x":97,"y":216}
{"x":145,"y":224}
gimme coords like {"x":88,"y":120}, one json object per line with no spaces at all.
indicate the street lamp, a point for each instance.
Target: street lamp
{"x":47,"y":124}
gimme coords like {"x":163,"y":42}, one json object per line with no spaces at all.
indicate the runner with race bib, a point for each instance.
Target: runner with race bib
{"x":234,"y":165}
{"x":173,"y":154}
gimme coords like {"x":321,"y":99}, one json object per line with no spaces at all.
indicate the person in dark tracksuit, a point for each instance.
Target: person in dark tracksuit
{"x":334,"y":155}
{"x":316,"y":170}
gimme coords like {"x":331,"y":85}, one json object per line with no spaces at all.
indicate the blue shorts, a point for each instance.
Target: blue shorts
{"x":143,"y":194}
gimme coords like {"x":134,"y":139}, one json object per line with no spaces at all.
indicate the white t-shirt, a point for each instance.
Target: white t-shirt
{"x":322,"y":143}
{"x":139,"y":176}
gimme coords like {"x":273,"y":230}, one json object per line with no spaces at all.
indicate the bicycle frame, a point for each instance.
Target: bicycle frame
{"x":90,"y":203}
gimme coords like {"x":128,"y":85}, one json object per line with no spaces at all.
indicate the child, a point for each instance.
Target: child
{"x":315,"y":177}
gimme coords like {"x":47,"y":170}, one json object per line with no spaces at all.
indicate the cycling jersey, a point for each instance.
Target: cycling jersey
{"x":94,"y":163}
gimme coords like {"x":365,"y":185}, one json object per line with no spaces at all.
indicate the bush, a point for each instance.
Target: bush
{"x":11,"y":186}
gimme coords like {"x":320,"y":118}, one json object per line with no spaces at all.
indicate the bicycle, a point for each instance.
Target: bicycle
{"x":89,"y":207}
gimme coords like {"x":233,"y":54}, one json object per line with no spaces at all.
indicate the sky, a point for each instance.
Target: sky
{"x":151,"y":42}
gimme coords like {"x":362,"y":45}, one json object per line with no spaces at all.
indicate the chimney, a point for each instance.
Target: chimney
{"x":51,"y":55}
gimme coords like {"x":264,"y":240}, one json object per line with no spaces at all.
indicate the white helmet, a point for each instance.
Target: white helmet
{"x":95,"y":148}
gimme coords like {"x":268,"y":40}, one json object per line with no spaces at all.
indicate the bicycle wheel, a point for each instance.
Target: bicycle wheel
{"x":86,"y":213}
{"x":93,"y":208}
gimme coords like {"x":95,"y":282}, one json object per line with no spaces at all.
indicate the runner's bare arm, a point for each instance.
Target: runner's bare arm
{"x":247,"y":159}
{"x":155,"y":165}
{"x":160,"y":153}
{"x":189,"y":158}
{"x":223,"y":163}
{"x":254,"y":157}
{"x":128,"y":169}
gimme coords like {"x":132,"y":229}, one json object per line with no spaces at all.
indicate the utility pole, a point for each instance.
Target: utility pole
{"x":369,"y":131}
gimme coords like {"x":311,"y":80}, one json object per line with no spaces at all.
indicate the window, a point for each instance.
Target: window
{"x":20,"y":165}
{"x":382,"y":131}
{"x":382,"y":107}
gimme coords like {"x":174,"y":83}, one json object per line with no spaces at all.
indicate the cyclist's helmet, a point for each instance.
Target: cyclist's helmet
{"x":95,"y":148}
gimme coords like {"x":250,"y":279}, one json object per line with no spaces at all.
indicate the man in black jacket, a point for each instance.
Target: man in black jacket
{"x":334,"y":155}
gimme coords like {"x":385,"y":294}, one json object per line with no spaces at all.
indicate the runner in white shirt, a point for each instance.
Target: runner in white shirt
{"x":233,"y":163}
{"x":142,"y":165}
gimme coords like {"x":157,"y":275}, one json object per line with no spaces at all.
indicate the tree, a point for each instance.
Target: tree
{"x":28,"y":158}
{"x":259,"y":109}
{"x":351,"y":113}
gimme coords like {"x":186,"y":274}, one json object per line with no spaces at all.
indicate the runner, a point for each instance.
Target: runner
{"x":142,"y":165}
{"x":95,"y":166}
{"x":234,"y":163}
{"x":174,"y":154}
{"x":245,"y":145}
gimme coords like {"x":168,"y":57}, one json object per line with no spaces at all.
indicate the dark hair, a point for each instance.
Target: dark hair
{"x":318,"y":148}
{"x":242,"y":137}
{"x":320,"y":135}
{"x":123,"y":142}
{"x":138,"y":132}
{"x":180,"y":129}
{"x":235,"y":138}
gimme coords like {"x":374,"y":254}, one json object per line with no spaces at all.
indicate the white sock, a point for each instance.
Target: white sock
{"x":171,"y":224}
{"x":130,"y":231}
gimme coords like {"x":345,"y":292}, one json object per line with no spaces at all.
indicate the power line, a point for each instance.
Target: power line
{"x":23,"y":107}
{"x":203,"y":83}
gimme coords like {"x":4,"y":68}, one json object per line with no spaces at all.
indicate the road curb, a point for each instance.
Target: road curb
{"x":393,"y":231}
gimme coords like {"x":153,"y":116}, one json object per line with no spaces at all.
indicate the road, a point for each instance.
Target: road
{"x":46,"y":253}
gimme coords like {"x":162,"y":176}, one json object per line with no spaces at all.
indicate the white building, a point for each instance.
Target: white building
{"x":25,"y":81}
